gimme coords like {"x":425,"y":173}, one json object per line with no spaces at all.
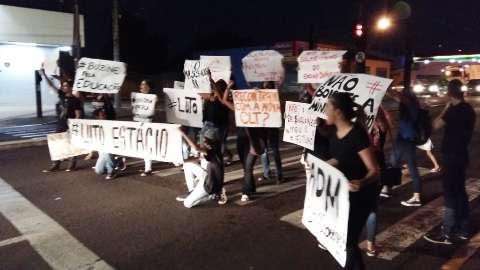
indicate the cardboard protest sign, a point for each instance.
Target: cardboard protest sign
{"x":184,"y":107}
{"x":300,"y":125}
{"x":366,"y":90}
{"x":257,"y":108}
{"x":99,"y":76}
{"x":178,"y":85}
{"x":196,"y":76}
{"x":143,"y":106}
{"x":318,"y":66}
{"x":263,"y":66}
{"x":60,"y":147}
{"x":155,"y":141}
{"x":327,"y":206}
{"x":220,"y":66}
{"x":50,"y":64}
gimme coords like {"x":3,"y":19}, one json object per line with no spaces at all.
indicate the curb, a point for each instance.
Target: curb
{"x":22,"y":143}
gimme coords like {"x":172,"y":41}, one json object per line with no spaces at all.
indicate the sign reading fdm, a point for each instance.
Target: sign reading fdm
{"x":366,"y":90}
{"x":184,"y":107}
{"x":327,"y":207}
{"x":257,"y":108}
{"x":99,"y":76}
{"x":155,"y":141}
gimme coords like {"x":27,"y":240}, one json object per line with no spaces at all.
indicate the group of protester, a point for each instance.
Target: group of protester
{"x":342,"y":140}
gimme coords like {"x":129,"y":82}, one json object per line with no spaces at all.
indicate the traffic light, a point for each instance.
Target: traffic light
{"x":360,"y":37}
{"x":359,"y":30}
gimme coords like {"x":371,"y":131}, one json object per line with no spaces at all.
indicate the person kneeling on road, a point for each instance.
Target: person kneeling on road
{"x":204,"y":175}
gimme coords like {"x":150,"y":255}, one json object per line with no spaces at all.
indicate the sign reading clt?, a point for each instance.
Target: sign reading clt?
{"x":317,"y":66}
{"x":257,"y":108}
{"x":196,"y":76}
{"x":155,"y":141}
{"x":300,"y":125}
{"x":327,"y":207}
{"x":366,"y":90}
{"x":184,"y":107}
{"x":263,"y":66}
{"x":99,"y":76}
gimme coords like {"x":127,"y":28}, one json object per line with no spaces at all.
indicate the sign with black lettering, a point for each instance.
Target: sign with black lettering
{"x":327,"y":207}
{"x":263,"y":66}
{"x":143,"y":106}
{"x":196,"y":76}
{"x":184,"y":107}
{"x":60,"y":147}
{"x":318,"y":66}
{"x":220,"y":67}
{"x":300,"y":125}
{"x":257,"y":108}
{"x":366,"y":90}
{"x":99,"y":76}
{"x":155,"y":141}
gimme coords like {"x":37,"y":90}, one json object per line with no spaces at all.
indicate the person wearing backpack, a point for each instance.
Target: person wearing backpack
{"x":407,"y":140}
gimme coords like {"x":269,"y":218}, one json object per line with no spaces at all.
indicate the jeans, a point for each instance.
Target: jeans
{"x":273,"y":146}
{"x":249,"y":181}
{"x":457,"y":210}
{"x":72,"y":162}
{"x":195,"y":177}
{"x":148,"y":165}
{"x":192,"y":133}
{"x":104,"y":164}
{"x":361,"y":204}
{"x":406,"y":151}
{"x":243,"y":146}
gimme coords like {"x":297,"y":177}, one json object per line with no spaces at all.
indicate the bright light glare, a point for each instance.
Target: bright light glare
{"x":433,"y":88}
{"x":384,"y":23}
{"x":418,"y":88}
{"x":477,"y":88}
{"x":464,"y":88}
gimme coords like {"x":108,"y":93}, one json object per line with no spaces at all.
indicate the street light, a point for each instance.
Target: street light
{"x":384,"y":23}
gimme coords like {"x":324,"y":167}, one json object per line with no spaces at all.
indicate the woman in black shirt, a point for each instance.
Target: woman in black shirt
{"x":351,"y":153}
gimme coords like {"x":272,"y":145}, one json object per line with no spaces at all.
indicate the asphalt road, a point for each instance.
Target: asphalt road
{"x":77,"y":219}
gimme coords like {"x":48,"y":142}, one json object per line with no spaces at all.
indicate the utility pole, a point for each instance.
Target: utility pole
{"x":407,"y":68}
{"x":360,"y":34}
{"x":76,"y":33}
{"x":116,"y":45}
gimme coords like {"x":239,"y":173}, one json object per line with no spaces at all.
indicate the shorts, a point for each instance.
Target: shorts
{"x":428,"y":146}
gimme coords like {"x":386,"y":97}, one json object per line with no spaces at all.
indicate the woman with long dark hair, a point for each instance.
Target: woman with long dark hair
{"x":352,"y":154}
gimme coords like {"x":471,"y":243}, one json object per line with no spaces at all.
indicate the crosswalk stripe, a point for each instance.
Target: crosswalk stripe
{"x":12,"y":241}
{"x":398,"y":237}
{"x":463,"y":254}
{"x":49,"y":239}
{"x":28,"y":130}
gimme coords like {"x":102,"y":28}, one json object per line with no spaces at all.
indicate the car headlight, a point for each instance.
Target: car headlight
{"x":418,"y":88}
{"x":477,"y":88}
{"x":433,"y":88}
{"x":464,"y":88}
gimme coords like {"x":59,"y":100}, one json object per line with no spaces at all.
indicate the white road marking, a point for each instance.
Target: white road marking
{"x":50,"y":240}
{"x":13,"y":240}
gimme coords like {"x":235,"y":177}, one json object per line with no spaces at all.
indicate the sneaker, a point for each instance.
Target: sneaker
{"x":371,"y":252}
{"x":51,"y":169}
{"x":110,"y":176}
{"x":245,"y":198}
{"x":213,"y":197}
{"x":181,"y":198}
{"x":412,"y":202}
{"x":435,"y":170}
{"x":147,"y":173}
{"x":440,"y":239}
{"x":386,"y":195}
{"x":462,"y":236}
{"x":70,"y":169}
{"x":223,"y":197}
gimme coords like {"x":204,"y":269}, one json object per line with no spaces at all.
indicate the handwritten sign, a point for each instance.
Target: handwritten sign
{"x":143,"y":106}
{"x":366,"y":90}
{"x":300,"y":125}
{"x":155,"y":141}
{"x":220,"y":66}
{"x":263,"y":66}
{"x":60,"y":147}
{"x":178,"y":85}
{"x":184,"y":107}
{"x":327,"y":207}
{"x":99,"y":76}
{"x":257,"y":108}
{"x":196,"y":76}
{"x":318,"y":66}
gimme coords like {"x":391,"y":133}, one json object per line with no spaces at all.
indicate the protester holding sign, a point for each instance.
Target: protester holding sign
{"x":145,"y":115}
{"x":352,"y":155}
{"x":105,"y":162}
{"x":70,"y":107}
{"x":204,"y":176}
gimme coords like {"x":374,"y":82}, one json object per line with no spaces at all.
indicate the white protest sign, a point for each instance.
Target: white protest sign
{"x":196,"y":76}
{"x":178,"y":85}
{"x":184,"y":107}
{"x":99,"y":76}
{"x":327,"y":207}
{"x":60,"y":147}
{"x":300,"y":125}
{"x":220,"y":66}
{"x":50,"y":64}
{"x":366,"y":90}
{"x":155,"y":141}
{"x":317,"y":66}
{"x":257,"y":108}
{"x":143,"y":106}
{"x":263,"y":66}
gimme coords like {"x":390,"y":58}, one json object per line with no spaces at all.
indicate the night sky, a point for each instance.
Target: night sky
{"x":169,"y":31}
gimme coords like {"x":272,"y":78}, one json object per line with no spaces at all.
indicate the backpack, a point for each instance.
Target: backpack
{"x":423,"y":127}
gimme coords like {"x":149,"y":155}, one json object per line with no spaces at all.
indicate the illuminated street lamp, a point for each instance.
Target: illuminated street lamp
{"x":384,"y":23}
